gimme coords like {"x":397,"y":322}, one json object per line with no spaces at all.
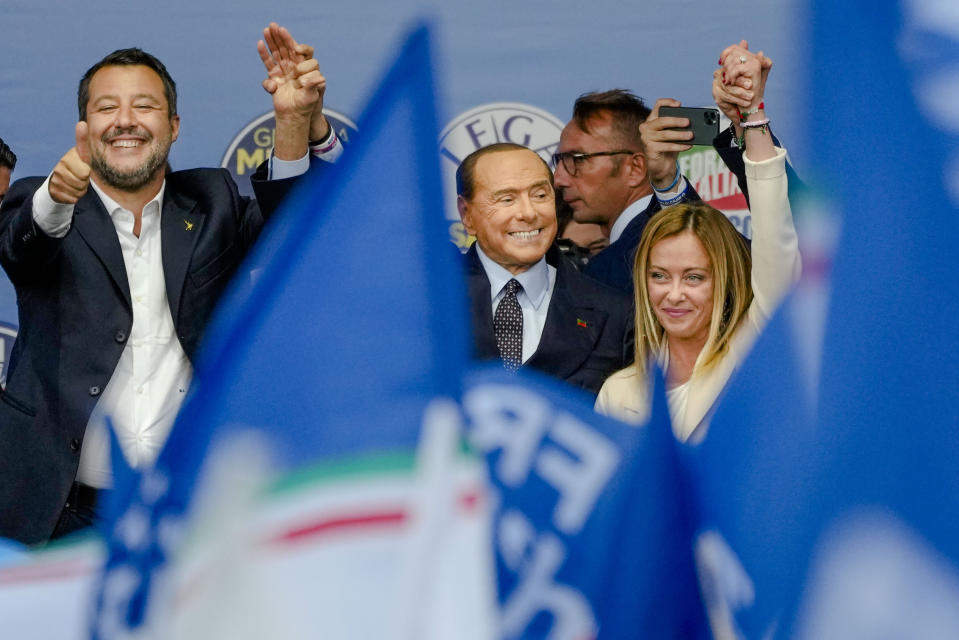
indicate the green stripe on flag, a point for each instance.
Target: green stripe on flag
{"x":370,"y":465}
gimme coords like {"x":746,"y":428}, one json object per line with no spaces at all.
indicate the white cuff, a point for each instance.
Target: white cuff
{"x":280,"y":169}
{"x":53,"y":218}
{"x":672,"y":194}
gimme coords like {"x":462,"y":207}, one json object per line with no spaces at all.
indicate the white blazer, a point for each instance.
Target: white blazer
{"x":776,"y":265}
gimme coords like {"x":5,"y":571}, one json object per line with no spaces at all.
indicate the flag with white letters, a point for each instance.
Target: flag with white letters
{"x":591,"y":531}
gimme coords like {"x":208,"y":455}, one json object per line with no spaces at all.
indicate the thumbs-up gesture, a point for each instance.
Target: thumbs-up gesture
{"x":71,"y":176}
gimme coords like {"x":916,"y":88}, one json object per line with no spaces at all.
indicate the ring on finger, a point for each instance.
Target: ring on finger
{"x":742,"y":59}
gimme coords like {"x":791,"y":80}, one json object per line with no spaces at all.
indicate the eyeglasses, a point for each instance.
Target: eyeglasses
{"x":573,"y":161}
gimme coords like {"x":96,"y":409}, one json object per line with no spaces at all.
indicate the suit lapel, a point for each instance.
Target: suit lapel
{"x":481,"y":306}
{"x":95,"y":226}
{"x":571,"y":330}
{"x":181,"y":225}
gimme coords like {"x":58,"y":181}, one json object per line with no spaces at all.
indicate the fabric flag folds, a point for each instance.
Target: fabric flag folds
{"x":749,"y":481}
{"x":318,"y":411}
{"x":591,"y":530}
{"x":886,"y":561}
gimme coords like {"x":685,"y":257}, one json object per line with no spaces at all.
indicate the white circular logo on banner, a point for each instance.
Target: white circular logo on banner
{"x":485,"y":125}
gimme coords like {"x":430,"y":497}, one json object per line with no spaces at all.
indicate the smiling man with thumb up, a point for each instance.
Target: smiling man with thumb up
{"x":118,"y":263}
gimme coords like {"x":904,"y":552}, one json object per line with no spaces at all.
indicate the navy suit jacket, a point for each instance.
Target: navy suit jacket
{"x":613,"y":265}
{"x":75,"y":316}
{"x":582,"y":356}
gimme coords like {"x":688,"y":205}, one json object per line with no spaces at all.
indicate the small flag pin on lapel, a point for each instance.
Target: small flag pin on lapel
{"x":580,"y":322}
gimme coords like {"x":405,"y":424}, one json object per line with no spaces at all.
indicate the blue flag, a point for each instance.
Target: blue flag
{"x":591,"y":531}
{"x":749,"y":482}
{"x":888,"y":418}
{"x":354,"y":324}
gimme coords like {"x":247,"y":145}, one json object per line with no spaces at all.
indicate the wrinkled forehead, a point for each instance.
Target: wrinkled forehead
{"x":513,"y":169}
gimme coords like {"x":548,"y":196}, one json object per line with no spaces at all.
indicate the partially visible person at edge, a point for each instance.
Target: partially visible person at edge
{"x":701,"y":297}
{"x":117,"y":266}
{"x":8,"y":162}
{"x":577,"y":241}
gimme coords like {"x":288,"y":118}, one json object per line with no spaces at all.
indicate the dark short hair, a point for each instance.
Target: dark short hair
{"x":8,"y":158}
{"x":627,"y":110}
{"x":127,"y":58}
{"x":464,"y":172}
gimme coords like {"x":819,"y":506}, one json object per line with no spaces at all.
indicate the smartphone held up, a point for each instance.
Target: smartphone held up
{"x":703,"y":122}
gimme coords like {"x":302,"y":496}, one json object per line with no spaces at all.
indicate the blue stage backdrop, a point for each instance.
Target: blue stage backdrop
{"x":512,"y":71}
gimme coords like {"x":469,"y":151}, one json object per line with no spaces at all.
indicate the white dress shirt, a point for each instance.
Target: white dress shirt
{"x":627,"y":216}
{"x":538,"y":282}
{"x":151,"y":378}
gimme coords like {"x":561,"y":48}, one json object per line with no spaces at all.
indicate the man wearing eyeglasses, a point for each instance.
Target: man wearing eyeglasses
{"x":530,"y":305}
{"x":603,"y":171}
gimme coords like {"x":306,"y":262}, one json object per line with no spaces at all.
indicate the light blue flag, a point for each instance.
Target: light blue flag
{"x":886,"y":558}
{"x":591,"y":529}
{"x":355,"y":322}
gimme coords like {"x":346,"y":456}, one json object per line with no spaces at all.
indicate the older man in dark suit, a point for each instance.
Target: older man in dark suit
{"x":117,"y":266}
{"x":530,"y":305}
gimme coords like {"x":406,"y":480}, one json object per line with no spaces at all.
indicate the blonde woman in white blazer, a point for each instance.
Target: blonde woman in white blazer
{"x":702,"y":296}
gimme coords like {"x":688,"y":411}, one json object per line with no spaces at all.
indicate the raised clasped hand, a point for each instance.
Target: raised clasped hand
{"x":740,"y":81}
{"x":293,"y":75}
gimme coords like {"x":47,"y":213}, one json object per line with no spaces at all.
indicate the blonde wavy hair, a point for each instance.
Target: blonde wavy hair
{"x":731,"y":266}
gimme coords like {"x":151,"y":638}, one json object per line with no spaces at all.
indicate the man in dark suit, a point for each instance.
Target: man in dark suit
{"x":530,"y":306}
{"x":609,"y":176}
{"x":117,"y":267}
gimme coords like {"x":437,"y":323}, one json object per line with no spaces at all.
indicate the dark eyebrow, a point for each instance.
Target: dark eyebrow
{"x":139,"y":96}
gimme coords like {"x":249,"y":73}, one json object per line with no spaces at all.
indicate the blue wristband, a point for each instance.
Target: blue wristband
{"x":680,"y":198}
{"x":672,"y":184}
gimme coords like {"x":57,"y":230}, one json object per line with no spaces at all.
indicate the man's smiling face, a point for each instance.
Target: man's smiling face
{"x":512,"y":211}
{"x":130,"y":127}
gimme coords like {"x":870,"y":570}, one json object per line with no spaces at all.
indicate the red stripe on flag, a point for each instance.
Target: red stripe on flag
{"x":41,"y":573}
{"x":333,"y":525}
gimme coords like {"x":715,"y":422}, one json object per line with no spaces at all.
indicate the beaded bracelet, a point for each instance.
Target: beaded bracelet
{"x":762,"y":125}
{"x":671,"y":184}
{"x":745,"y":114}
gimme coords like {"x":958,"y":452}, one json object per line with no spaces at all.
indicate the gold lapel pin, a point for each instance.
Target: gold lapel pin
{"x":189,"y":225}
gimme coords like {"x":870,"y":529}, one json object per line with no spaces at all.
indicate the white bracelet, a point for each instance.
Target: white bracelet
{"x":755,"y":125}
